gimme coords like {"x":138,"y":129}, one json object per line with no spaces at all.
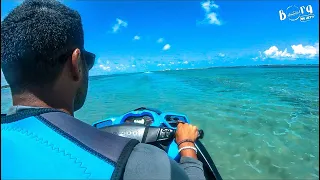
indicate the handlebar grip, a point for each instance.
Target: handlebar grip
{"x":200,"y":133}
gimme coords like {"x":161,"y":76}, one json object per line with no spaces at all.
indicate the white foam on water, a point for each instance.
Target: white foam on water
{"x":269,"y":145}
{"x":295,"y":134}
{"x":312,"y":156}
{"x":282,"y":133}
{"x":257,"y":134}
{"x":252,"y":166}
{"x":279,"y":166}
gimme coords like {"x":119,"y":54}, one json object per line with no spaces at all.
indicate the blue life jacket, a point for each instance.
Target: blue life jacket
{"x":50,"y":144}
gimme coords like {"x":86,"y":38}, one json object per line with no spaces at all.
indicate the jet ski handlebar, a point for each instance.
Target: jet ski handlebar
{"x":145,"y":134}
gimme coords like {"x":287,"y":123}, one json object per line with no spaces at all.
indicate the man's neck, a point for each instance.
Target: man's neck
{"x":29,"y":99}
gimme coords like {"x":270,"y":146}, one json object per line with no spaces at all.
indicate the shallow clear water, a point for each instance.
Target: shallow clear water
{"x":259,"y":123}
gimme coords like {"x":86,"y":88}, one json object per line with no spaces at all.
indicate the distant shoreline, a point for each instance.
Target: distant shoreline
{"x":269,"y":66}
{"x":248,"y":66}
{"x":214,"y":67}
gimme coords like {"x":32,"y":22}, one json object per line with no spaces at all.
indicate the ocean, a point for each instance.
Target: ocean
{"x":259,"y":122}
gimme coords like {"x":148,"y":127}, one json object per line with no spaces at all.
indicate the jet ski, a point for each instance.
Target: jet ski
{"x":151,"y":126}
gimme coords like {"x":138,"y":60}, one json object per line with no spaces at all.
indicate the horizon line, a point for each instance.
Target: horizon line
{"x":184,"y":69}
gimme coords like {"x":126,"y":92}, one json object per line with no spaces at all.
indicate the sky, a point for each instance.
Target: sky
{"x":139,"y":36}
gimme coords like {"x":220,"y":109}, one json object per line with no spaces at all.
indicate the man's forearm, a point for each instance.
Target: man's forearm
{"x":189,"y":162}
{"x":193,"y":168}
{"x":188,"y":152}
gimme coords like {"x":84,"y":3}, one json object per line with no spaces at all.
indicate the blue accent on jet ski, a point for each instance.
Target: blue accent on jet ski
{"x":159,"y":119}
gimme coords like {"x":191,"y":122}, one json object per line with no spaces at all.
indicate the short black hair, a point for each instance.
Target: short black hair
{"x":35,"y":39}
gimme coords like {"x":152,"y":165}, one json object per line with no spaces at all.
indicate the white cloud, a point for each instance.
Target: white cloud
{"x":122,"y":67}
{"x":211,"y":17}
{"x":261,"y":57}
{"x":166,"y":47}
{"x":308,"y":50}
{"x":160,"y":40}
{"x":120,"y":23}
{"x":136,"y":38}
{"x":221,"y":55}
{"x":104,"y":67}
{"x":298,"y":51}
{"x":185,"y":62}
{"x":208,"y":5}
{"x":271,"y":50}
{"x":274,"y":52}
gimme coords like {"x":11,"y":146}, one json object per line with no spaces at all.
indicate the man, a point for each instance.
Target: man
{"x":45,"y":64}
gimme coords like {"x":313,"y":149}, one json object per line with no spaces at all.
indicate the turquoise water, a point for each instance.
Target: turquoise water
{"x":259,"y":123}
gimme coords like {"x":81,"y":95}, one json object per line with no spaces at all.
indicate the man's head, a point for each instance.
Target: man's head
{"x":42,"y":49}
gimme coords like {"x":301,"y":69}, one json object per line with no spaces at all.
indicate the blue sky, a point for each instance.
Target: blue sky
{"x":133,"y":36}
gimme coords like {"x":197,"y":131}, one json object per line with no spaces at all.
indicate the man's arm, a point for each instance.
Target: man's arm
{"x":193,"y":168}
{"x":149,"y":162}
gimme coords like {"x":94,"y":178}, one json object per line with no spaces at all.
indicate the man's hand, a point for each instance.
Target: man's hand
{"x":190,"y":132}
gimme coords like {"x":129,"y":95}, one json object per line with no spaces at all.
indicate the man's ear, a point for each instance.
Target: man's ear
{"x":76,"y":67}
